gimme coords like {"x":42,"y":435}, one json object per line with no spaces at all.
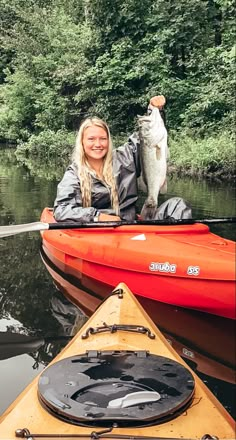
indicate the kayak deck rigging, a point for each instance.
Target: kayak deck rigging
{"x":103,"y":434}
{"x":115,"y":327}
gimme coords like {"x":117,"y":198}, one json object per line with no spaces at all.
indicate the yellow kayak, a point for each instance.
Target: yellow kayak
{"x":118,"y":378}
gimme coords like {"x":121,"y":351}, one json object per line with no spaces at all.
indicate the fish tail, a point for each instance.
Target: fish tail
{"x":149,"y":208}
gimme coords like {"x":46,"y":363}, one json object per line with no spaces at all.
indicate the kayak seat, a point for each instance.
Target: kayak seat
{"x":121,"y":388}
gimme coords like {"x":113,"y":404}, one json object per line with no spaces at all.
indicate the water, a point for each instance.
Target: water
{"x":30,"y":303}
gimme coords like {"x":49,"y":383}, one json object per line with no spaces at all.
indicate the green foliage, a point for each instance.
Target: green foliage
{"x":50,"y":60}
{"x":212,"y":108}
{"x":47,"y":144}
{"x":208,"y":156}
{"x":17,"y":106}
{"x":121,"y":79}
{"x":63,"y":60}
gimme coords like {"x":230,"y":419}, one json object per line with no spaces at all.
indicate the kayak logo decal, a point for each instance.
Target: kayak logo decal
{"x":163,"y":267}
{"x":141,"y":237}
{"x":193,"y":270}
{"x":188,"y":353}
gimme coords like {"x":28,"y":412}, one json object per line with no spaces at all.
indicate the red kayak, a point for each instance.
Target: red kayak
{"x":183,"y":265}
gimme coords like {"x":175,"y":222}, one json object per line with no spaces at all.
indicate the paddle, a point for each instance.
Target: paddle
{"x":15,"y":344}
{"x":6,"y":231}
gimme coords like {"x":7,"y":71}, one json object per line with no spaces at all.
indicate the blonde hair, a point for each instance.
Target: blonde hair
{"x":84,"y":169}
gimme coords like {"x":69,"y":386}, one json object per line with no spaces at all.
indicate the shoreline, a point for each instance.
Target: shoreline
{"x":218,"y":175}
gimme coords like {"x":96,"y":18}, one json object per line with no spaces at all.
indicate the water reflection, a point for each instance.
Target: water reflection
{"x":30,"y":304}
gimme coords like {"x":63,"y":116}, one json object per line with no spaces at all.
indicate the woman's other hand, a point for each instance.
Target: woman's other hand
{"x":108,"y":218}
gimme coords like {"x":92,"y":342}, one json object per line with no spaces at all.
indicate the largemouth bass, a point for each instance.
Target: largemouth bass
{"x":154,"y":155}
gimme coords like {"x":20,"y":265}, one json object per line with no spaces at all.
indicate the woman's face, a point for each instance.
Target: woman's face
{"x":95,"y":142}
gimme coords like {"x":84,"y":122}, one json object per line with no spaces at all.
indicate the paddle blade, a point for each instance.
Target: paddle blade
{"x":6,"y":231}
{"x":15,"y":344}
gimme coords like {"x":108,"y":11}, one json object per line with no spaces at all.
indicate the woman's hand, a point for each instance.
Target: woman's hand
{"x":158,"y":101}
{"x":108,"y":218}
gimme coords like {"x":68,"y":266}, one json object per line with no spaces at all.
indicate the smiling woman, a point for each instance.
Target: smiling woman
{"x":95,"y":142}
{"x":101,"y":182}
{"x":93,"y":157}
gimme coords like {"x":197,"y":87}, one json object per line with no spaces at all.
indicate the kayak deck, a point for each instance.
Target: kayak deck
{"x":205,"y":415}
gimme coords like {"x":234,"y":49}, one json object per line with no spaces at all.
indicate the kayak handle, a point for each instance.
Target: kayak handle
{"x":115,"y":327}
{"x":134,"y":399}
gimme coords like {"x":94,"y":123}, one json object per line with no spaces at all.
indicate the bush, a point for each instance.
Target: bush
{"x":48,"y":144}
{"x":208,"y":156}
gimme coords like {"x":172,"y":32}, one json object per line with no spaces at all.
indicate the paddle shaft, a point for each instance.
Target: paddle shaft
{"x":6,"y":231}
{"x":8,"y":339}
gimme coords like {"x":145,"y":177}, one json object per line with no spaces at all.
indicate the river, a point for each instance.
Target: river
{"x":30,"y":304}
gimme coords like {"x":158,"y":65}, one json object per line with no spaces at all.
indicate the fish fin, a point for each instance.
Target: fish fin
{"x":163,"y":189}
{"x":148,"y":213}
{"x":160,"y":135}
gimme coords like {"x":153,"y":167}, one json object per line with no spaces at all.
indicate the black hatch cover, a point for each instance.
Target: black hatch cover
{"x":122,"y":387}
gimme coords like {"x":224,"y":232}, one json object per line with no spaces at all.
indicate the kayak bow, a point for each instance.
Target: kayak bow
{"x":118,"y":378}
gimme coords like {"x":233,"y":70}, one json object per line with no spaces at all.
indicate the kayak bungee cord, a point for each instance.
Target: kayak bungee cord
{"x":104,"y":434}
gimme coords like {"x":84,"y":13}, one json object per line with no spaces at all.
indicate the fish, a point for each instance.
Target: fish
{"x":154,"y":154}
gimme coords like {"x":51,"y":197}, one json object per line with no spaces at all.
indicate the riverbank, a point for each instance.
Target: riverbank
{"x":222,"y":174}
{"x":211,"y":157}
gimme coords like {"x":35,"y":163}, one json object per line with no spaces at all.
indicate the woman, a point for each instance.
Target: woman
{"x":101,"y":183}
